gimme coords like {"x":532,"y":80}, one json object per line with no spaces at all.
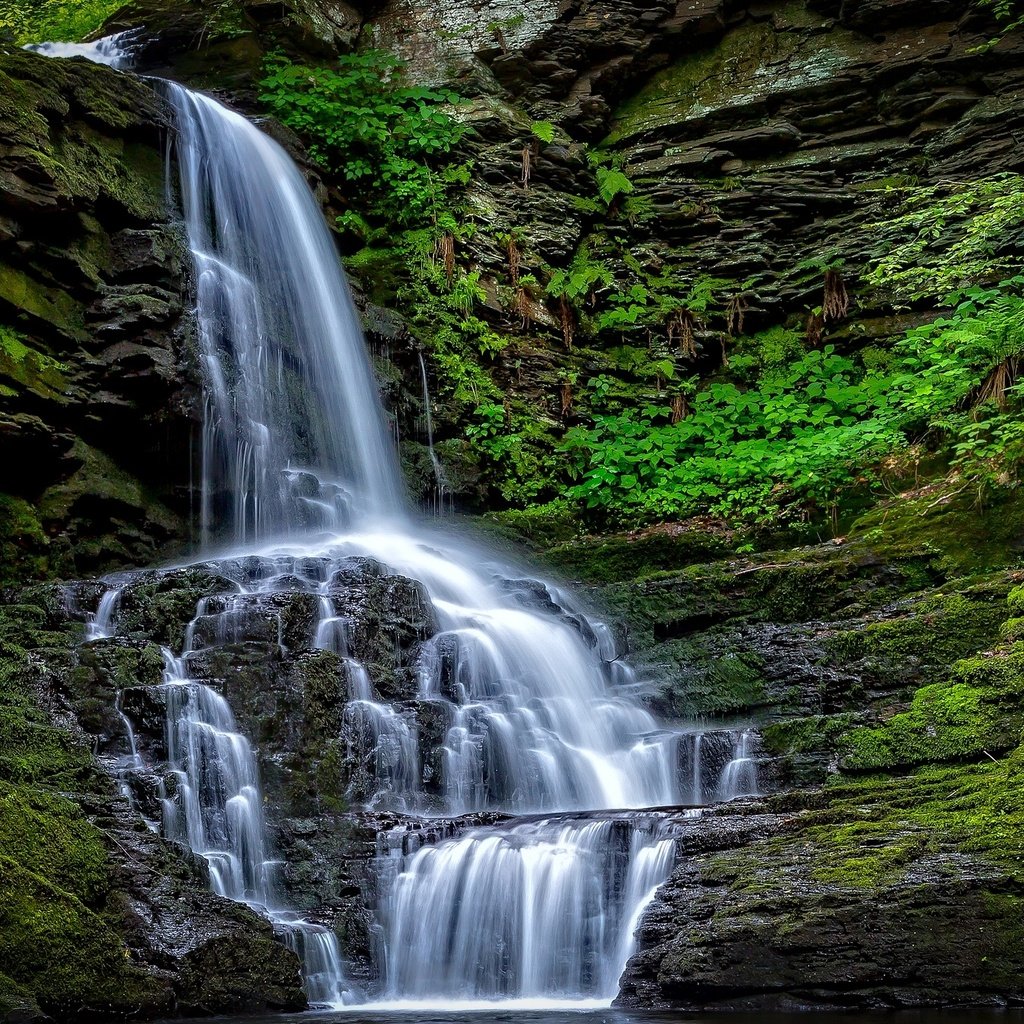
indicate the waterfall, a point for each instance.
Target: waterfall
{"x":442,"y":491}
{"x":542,"y":910}
{"x":538,"y":712}
{"x":294,"y":438}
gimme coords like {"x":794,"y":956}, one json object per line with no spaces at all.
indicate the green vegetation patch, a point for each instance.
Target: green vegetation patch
{"x":38,"y":21}
{"x":60,"y":941}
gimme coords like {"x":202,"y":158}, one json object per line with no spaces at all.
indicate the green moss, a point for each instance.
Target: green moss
{"x":59,"y":942}
{"x":870,"y":854}
{"x":48,"y":834}
{"x":51,"y":305}
{"x":928,"y":638}
{"x":23,"y":541}
{"x":945,"y":722}
{"x":963,"y":535}
{"x":31,"y":369}
{"x":811,"y":735}
{"x":635,"y":556}
{"x":739,"y":71}
{"x":62,"y":952}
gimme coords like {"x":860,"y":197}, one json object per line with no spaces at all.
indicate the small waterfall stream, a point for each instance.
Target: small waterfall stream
{"x":540,"y":717}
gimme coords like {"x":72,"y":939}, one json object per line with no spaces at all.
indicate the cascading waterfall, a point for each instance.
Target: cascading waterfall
{"x":539,"y":713}
{"x":295,"y":439}
{"x":573,"y":894}
{"x":538,"y":709}
{"x":442,"y":491}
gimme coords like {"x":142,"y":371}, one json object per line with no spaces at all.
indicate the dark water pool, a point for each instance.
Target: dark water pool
{"x":494,"y":1015}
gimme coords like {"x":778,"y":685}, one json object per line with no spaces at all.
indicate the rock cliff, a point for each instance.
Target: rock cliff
{"x":762,"y":142}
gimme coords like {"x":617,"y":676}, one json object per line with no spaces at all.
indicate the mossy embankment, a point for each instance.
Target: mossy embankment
{"x":886,"y":675}
{"x":99,"y":917}
{"x":61,"y":936}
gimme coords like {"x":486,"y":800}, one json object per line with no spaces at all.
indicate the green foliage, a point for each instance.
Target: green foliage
{"x":1008,"y":13}
{"x":585,"y":277}
{"x":368,"y":128}
{"x":544,"y":131}
{"x":798,"y":437}
{"x":611,"y":184}
{"x":809,"y":430}
{"x":946,"y":236}
{"x":37,"y":21}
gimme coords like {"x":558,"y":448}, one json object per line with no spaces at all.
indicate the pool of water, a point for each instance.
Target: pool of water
{"x":523,"y":1013}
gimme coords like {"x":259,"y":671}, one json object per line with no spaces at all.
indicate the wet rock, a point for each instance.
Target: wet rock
{"x":160,"y":605}
{"x":91,"y":286}
{"x":390,"y":616}
{"x":752,"y":918}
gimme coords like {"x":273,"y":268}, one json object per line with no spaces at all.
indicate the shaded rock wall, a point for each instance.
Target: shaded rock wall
{"x":96,"y":375}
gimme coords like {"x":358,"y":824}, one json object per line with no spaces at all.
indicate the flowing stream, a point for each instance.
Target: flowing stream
{"x":540,"y":716}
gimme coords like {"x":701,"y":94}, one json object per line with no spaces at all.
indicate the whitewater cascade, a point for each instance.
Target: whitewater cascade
{"x":295,"y":446}
{"x":300,"y":483}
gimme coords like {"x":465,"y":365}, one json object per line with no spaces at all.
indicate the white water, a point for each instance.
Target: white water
{"x":298,"y":470}
{"x":296,"y":455}
{"x":110,"y":50}
{"x":545,"y":909}
{"x":294,"y":438}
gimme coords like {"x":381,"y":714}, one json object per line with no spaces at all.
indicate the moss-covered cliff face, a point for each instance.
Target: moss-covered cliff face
{"x":757,"y":146}
{"x":95,"y":375}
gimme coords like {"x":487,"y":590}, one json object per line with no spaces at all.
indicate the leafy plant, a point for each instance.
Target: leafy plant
{"x":946,"y":236}
{"x":611,"y":184}
{"x":544,"y":131}
{"x":367,"y":127}
{"x":37,"y":21}
{"x":810,"y":430}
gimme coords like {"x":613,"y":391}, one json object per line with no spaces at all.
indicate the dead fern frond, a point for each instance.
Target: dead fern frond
{"x":997,"y":385}
{"x":680,"y":408}
{"x":521,"y":305}
{"x":836,"y":302}
{"x":813,"y":329}
{"x":735,"y":313}
{"x":527,"y":165}
{"x":568,"y":323}
{"x":513,"y":262}
{"x":680,"y":331}
{"x":565,"y":392}
{"x":444,"y":254}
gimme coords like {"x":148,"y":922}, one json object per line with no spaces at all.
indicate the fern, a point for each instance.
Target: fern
{"x":612,"y":183}
{"x":543,"y":130}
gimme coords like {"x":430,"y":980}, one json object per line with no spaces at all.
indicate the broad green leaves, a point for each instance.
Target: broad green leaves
{"x":369,"y":128}
{"x":810,"y":430}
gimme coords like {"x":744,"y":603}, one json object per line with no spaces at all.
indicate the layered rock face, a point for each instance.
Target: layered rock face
{"x":95,"y":376}
{"x":760,"y":139}
{"x":884,"y":674}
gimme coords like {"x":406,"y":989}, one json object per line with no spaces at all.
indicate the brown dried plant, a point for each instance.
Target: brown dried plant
{"x":735,"y":313}
{"x":680,"y":331}
{"x":514,"y":259}
{"x":565,"y":393}
{"x":680,"y":408}
{"x":836,"y":301}
{"x":568,"y":323}
{"x":444,"y":253}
